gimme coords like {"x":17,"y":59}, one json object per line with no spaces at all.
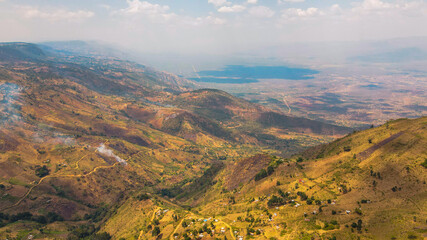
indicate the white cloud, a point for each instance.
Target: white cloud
{"x":56,"y":14}
{"x":293,"y":13}
{"x":147,"y":9}
{"x":208,"y":20}
{"x":104,"y":6}
{"x":335,"y":9}
{"x":371,"y":7}
{"x":289,"y":1}
{"x":156,"y":13}
{"x":218,"y":3}
{"x":144,"y":7}
{"x":261,"y":11}
{"x":252,"y":1}
{"x":215,"y":20}
{"x":368,"y":6}
{"x":232,"y":9}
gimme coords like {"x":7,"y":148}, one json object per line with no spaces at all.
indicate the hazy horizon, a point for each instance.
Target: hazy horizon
{"x":210,"y":26}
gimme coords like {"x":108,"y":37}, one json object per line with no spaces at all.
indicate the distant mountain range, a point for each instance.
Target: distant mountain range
{"x":400,"y":55}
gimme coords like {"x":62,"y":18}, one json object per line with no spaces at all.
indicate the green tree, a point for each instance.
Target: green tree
{"x":156,"y":231}
{"x":42,"y":171}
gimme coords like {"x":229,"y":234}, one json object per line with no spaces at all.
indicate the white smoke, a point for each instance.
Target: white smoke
{"x":109,"y":153}
{"x":9,"y":108}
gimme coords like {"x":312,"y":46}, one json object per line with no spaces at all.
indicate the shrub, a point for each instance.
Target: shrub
{"x":21,"y":216}
{"x":302,"y":195}
{"x":412,"y":236}
{"x":101,"y":236}
{"x":142,"y":196}
{"x":42,"y":171}
{"x":328,"y":226}
{"x":156,"y":231}
{"x":261,"y":174}
{"x":270,"y":170}
{"x":82,"y":231}
{"x":282,"y":194}
{"x":275,"y":201}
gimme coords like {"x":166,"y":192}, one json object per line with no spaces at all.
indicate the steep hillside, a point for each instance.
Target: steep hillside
{"x":377,"y":176}
{"x":368,"y":185}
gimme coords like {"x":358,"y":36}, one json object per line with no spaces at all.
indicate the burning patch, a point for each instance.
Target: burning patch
{"x":102,"y":149}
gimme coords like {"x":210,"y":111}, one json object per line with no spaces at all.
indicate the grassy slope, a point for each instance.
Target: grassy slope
{"x":396,"y":207}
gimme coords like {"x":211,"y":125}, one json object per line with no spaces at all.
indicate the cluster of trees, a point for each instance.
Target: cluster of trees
{"x":50,"y":217}
{"x":376,"y":174}
{"x":42,"y":171}
{"x":357,"y":225}
{"x":142,"y":197}
{"x":347,"y":148}
{"x":264,"y":173}
{"x":195,"y":232}
{"x":250,"y":230}
{"x":344,"y":189}
{"x":331,"y":225}
{"x":97,"y":215}
{"x":286,"y":198}
{"x":276,"y":201}
{"x":156,"y":231}
{"x":87,"y":231}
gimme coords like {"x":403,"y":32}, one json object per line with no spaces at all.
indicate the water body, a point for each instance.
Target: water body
{"x":238,"y":74}
{"x":372,"y":86}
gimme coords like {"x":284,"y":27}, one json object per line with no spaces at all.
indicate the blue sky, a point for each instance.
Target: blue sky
{"x":210,"y":26}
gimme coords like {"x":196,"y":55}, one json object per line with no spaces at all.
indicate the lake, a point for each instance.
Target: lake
{"x":238,"y":74}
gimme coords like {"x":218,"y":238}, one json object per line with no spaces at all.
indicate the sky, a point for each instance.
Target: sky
{"x":210,"y":26}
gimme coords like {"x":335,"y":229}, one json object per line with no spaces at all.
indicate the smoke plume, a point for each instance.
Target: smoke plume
{"x":9,"y":109}
{"x":109,"y":153}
